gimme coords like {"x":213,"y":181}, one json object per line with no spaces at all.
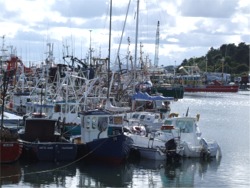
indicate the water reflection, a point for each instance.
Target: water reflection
{"x":10,"y":173}
{"x":183,"y":173}
{"x":47,"y":173}
{"x":150,"y":164}
{"x":103,"y":175}
{"x":144,"y":173}
{"x":204,"y":95}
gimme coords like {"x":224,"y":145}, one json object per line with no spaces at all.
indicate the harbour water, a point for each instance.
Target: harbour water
{"x":224,"y":117}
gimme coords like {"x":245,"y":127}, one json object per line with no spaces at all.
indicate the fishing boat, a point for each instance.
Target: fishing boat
{"x":163,"y":83}
{"x":155,"y":145}
{"x":12,"y":121}
{"x":42,"y":140}
{"x":146,"y":145}
{"x":195,"y":81}
{"x":165,"y":89}
{"x":102,"y":137}
{"x":215,"y":86}
{"x":10,"y":147}
{"x":150,"y":110}
{"x":168,"y":90}
{"x":190,"y":143}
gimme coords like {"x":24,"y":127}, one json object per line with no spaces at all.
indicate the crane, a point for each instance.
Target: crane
{"x":157,"y":44}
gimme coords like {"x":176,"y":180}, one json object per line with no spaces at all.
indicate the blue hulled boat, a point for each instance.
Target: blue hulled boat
{"x":102,"y":137}
{"x":42,"y":140}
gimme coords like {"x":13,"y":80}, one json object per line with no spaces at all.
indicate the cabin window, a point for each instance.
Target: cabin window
{"x":57,"y":108}
{"x":168,"y":122}
{"x":185,"y":126}
{"x":102,"y":123}
{"x":88,"y":122}
{"x":135,"y":116}
{"x":117,"y":120}
{"x":142,"y":117}
{"x":94,"y":122}
{"x":113,"y":131}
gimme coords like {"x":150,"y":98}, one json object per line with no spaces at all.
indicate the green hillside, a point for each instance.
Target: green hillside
{"x":229,"y":58}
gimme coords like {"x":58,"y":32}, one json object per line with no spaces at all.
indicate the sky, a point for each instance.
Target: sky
{"x":188,"y":28}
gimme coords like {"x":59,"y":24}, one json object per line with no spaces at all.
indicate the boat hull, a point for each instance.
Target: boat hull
{"x":211,"y":150}
{"x":212,"y":88}
{"x":113,"y":149}
{"x":49,"y":151}
{"x":10,"y":151}
{"x":173,"y":91}
{"x":151,"y":153}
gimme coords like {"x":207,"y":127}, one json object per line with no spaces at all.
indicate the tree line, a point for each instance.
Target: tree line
{"x":228,"y":58}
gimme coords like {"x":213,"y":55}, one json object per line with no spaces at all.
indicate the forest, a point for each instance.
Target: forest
{"x":229,"y":58}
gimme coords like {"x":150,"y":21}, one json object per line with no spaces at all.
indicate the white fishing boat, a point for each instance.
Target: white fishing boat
{"x":190,"y":142}
{"x":149,"y":145}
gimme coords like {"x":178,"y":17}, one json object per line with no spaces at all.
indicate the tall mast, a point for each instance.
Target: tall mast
{"x":90,"y":48}
{"x":110,"y":21}
{"x":136,"y":41}
{"x":136,"y":33}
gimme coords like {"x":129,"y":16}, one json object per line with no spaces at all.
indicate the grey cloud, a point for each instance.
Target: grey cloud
{"x":208,"y":8}
{"x":80,"y":8}
{"x":28,"y":36}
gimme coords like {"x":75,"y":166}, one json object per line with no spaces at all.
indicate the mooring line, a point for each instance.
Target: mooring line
{"x":43,"y":171}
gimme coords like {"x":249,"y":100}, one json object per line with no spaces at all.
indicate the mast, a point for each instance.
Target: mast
{"x":90,"y":48}
{"x":110,"y":21}
{"x":3,"y":55}
{"x":136,"y":41}
{"x":5,"y":83}
{"x":136,"y":33}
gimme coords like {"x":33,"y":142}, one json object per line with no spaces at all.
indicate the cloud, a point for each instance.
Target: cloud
{"x":208,"y":8}
{"x":188,"y":28}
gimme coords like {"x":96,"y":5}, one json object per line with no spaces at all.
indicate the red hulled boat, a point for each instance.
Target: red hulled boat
{"x":10,"y":151}
{"x":215,"y":87}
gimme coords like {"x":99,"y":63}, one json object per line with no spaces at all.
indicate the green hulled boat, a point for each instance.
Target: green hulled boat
{"x":167,"y":90}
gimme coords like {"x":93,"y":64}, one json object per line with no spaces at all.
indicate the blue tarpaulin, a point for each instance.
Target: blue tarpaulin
{"x":140,"y":96}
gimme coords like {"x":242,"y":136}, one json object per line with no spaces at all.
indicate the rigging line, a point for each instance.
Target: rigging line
{"x":122,"y":32}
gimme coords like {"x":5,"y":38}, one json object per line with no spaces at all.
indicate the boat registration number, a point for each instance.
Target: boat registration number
{"x":44,"y":147}
{"x":7,"y":145}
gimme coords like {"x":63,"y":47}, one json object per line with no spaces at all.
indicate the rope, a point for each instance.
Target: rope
{"x":58,"y":168}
